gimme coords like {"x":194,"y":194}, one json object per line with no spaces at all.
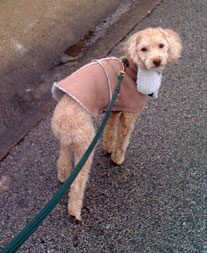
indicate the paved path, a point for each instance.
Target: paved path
{"x":157,"y":200}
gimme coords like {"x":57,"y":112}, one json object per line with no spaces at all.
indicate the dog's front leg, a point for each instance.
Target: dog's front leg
{"x":124,"y":130}
{"x":64,"y":163}
{"x":110,"y":132}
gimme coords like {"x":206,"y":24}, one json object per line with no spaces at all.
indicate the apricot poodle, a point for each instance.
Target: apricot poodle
{"x":88,"y":92}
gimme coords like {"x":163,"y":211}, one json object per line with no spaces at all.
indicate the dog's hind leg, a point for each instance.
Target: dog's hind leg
{"x":73,"y":127}
{"x":64,"y":162}
{"x":110,"y":132}
{"x":124,"y":130}
{"x":76,"y":193}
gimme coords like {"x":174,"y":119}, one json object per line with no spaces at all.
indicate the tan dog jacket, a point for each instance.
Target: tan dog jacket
{"x":92,"y":87}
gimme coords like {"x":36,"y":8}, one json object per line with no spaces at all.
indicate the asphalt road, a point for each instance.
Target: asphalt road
{"x":157,"y":200}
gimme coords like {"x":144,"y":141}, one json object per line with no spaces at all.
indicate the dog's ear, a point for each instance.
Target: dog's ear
{"x":130,"y":47}
{"x":174,"y":43}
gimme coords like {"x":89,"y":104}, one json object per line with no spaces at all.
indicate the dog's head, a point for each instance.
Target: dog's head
{"x":153,"y":48}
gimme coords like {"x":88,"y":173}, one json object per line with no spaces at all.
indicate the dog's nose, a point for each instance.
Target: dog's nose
{"x":157,"y":62}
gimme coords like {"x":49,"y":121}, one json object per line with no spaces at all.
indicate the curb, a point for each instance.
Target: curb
{"x":34,"y":35}
{"x":24,"y":110}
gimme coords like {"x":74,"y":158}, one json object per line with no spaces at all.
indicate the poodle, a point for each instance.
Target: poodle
{"x":88,"y":91}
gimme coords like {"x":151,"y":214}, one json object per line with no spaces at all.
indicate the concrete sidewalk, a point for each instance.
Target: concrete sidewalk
{"x":33,"y":35}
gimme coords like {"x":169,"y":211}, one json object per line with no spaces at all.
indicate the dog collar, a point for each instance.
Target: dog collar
{"x":148,"y":82}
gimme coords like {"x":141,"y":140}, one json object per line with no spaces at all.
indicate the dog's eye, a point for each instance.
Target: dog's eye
{"x":144,"y":49}
{"x":161,"y":45}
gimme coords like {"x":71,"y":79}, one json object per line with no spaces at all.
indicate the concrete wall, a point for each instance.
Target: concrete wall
{"x":34,"y":33}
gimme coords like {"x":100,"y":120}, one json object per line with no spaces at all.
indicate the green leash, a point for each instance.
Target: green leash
{"x":27,"y":231}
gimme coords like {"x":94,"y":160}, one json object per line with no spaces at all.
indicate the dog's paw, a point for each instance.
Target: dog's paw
{"x":118,"y":157}
{"x":62,"y":175}
{"x":75,"y":220}
{"x":76,"y":215}
{"x":108,"y":147}
{"x":61,"y":178}
{"x":63,"y":171}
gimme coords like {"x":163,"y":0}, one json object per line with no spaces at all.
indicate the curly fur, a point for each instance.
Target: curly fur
{"x":152,"y":48}
{"x":151,"y":39}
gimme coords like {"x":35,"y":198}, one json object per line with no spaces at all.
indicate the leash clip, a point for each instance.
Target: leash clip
{"x":125,"y":64}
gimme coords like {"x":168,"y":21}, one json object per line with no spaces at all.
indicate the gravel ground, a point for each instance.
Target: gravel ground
{"x":156,"y":201}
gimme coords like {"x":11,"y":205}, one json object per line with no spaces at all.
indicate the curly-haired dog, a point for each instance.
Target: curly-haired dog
{"x":88,"y":91}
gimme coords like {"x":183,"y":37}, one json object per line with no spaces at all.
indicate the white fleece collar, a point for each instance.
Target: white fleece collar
{"x":148,"y":81}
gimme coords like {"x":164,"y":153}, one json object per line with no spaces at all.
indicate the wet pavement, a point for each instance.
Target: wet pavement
{"x":157,"y":200}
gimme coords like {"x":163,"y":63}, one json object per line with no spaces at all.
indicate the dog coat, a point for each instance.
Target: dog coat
{"x":92,"y":87}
